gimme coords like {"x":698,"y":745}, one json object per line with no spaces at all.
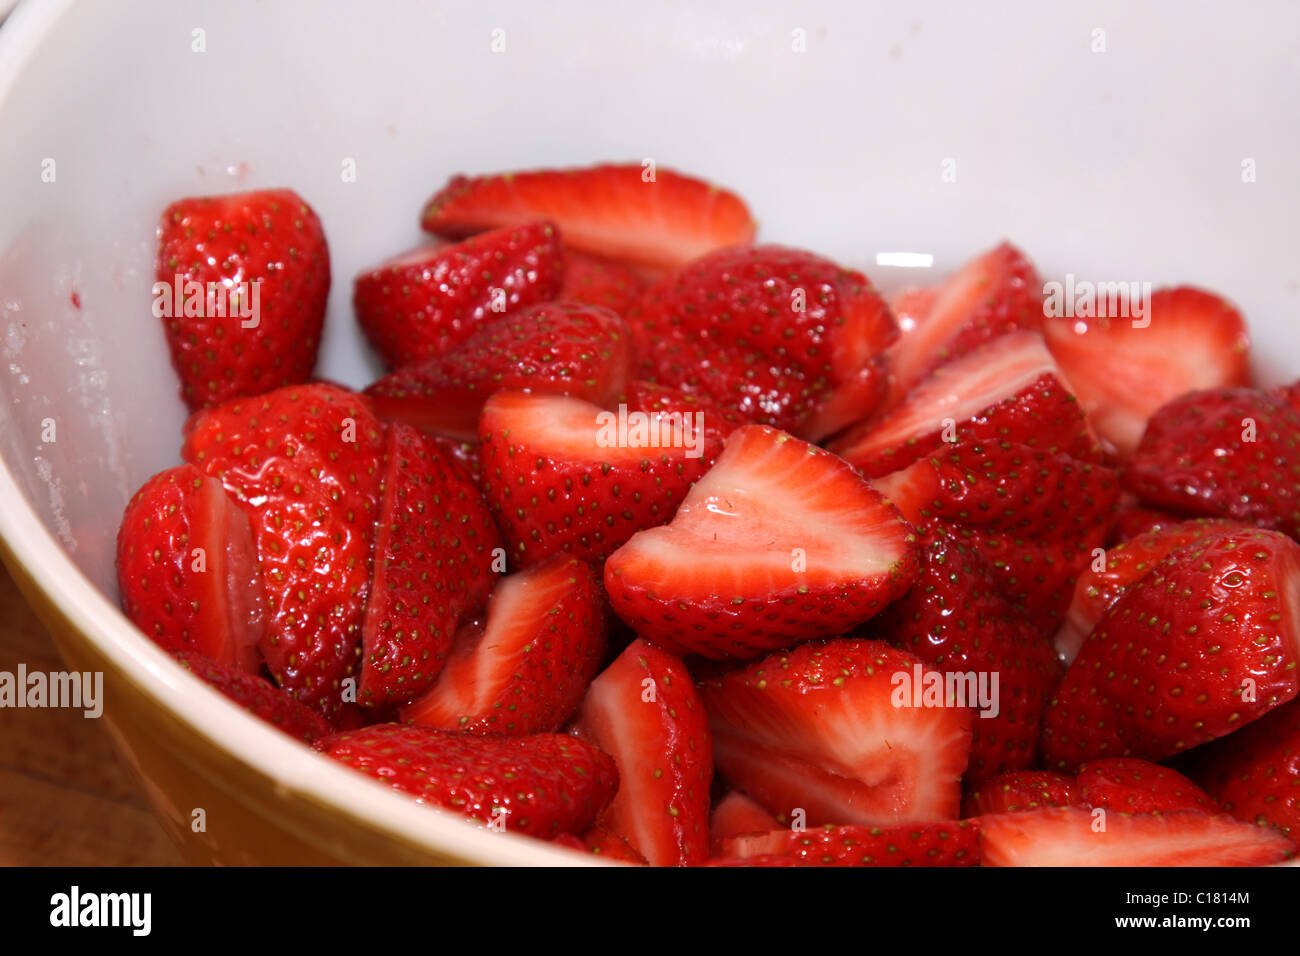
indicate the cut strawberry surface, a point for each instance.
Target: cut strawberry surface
{"x":1123,"y":368}
{"x":817,"y":729}
{"x":599,"y":281}
{"x":648,"y":217}
{"x":1129,"y":785}
{"x":644,"y":710}
{"x":604,"y":842}
{"x":187,"y":569}
{"x":564,"y":475}
{"x":1069,"y":836}
{"x":1020,"y":790}
{"x":1204,"y":643}
{"x":779,"y":542}
{"x":954,"y":843}
{"x":1254,"y":773}
{"x":541,"y":785}
{"x":736,"y":814}
{"x":1008,"y":390}
{"x":257,"y":696}
{"x":424,"y":303}
{"x":564,"y":348}
{"x":525,"y":668}
{"x":437,"y":554}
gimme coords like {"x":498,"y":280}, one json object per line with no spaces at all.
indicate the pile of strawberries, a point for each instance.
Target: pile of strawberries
{"x":666,"y":546}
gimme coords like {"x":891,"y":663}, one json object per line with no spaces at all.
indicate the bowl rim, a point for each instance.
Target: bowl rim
{"x":294,"y":769}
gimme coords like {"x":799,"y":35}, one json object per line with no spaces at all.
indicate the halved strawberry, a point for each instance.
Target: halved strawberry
{"x":1207,"y":641}
{"x":1008,"y":390}
{"x":257,"y":696}
{"x":778,"y":543}
{"x":630,"y":212}
{"x":1124,"y":368}
{"x":564,"y":348}
{"x":304,"y":463}
{"x":604,"y":842}
{"x":524,"y":669}
{"x":564,"y":475}
{"x":1073,"y":836}
{"x":1020,"y":790}
{"x":830,"y":728}
{"x":1254,"y":774}
{"x":187,"y":569}
{"x":953,"y":843}
{"x":736,"y":814}
{"x":1096,"y":590}
{"x":600,"y":281}
{"x":1129,"y":785}
{"x":541,"y":785}
{"x":995,"y":294}
{"x":644,"y":711}
{"x":770,"y":859}
{"x":424,"y":303}
{"x":435,"y":550}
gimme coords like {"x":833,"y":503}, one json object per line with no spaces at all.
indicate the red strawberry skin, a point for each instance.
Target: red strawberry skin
{"x":599,"y":281}
{"x":782,"y":336}
{"x":1254,"y":774}
{"x":1129,"y":785}
{"x":525,"y":669}
{"x":652,"y":218}
{"x":1231,"y":453}
{"x":954,"y":843}
{"x":304,"y":463}
{"x":271,"y":237}
{"x":1020,"y":790}
{"x":426,"y":302}
{"x":562,"y":348}
{"x":1173,"y":663}
{"x":436,"y":546}
{"x":605,"y":843}
{"x":546,"y":784}
{"x":187,"y":569}
{"x":258,"y":697}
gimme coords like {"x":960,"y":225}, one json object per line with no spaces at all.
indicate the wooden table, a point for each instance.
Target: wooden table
{"x":65,"y":798}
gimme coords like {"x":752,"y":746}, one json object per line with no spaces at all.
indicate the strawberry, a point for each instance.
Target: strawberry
{"x":770,"y":859}
{"x":257,"y":696}
{"x":562,"y":475}
{"x":1008,"y":390}
{"x":1290,"y":394}
{"x":954,"y":843}
{"x":1020,"y":790}
{"x":1204,"y":643}
{"x":954,"y":620}
{"x":629,"y":212}
{"x":598,"y":281}
{"x":524,"y":670}
{"x":604,"y":842}
{"x":263,"y":274}
{"x":736,"y":814}
{"x":778,"y":543}
{"x":424,"y":303}
{"x":1128,"y":785}
{"x":782,"y":336}
{"x":995,"y":294}
{"x":1132,"y":519}
{"x":1254,"y":773}
{"x":564,"y":348}
{"x":436,"y":553}
{"x":540,"y":786}
{"x":644,"y":711}
{"x":831,"y":728}
{"x":1108,"y":576}
{"x":303,"y":463}
{"x":1231,"y":453}
{"x":1124,"y":368}
{"x":1073,"y":836}
{"x":187,"y":569}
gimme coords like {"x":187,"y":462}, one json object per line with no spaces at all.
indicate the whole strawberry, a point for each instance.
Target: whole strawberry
{"x":1255,"y":773}
{"x":242,"y":284}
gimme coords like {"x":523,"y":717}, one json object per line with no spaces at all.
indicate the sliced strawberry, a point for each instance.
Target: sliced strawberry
{"x":768,"y":860}
{"x":1108,"y":576}
{"x":436,"y":546}
{"x":424,"y":303}
{"x":910,"y":308}
{"x":564,"y":348}
{"x":1021,"y":790}
{"x":541,"y":785}
{"x":628,"y":212}
{"x":817,"y":729}
{"x":599,"y":281}
{"x":564,"y":475}
{"x":1008,"y":390}
{"x":785,"y":337}
{"x":644,"y":710}
{"x":462,"y":454}
{"x":257,"y":696}
{"x":304,"y":463}
{"x":1231,"y":453}
{"x":1290,"y":394}
{"x":1073,"y":836}
{"x":1133,"y":519}
{"x":187,"y":569}
{"x":525,"y":669}
{"x":1129,"y":785}
{"x":736,"y":814}
{"x":1124,"y":368}
{"x":778,"y":543}
{"x":1205,"y":642}
{"x":604,"y":842}
{"x":1254,"y":773}
{"x":954,"y":843}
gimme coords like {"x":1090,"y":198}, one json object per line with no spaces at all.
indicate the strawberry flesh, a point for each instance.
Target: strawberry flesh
{"x":954,"y":843}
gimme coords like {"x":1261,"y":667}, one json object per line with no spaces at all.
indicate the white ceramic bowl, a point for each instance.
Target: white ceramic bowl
{"x":1122,"y":163}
